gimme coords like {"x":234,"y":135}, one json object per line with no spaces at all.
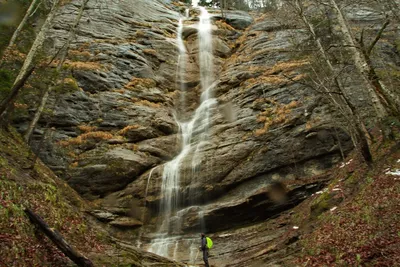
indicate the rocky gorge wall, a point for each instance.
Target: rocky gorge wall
{"x":119,"y":126}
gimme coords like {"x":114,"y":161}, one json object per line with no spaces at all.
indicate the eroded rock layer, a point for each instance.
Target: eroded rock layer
{"x":110,"y":138}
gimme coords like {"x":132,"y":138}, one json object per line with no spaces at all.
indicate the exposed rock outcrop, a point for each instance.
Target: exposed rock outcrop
{"x":111,"y":137}
{"x":25,"y":182}
{"x":120,"y":122}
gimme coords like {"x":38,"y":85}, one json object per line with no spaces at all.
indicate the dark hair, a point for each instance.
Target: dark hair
{"x":203,"y":235}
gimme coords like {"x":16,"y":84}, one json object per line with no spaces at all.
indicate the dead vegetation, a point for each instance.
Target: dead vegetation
{"x":81,"y":65}
{"x":140,"y":82}
{"x":280,"y":74}
{"x":223,"y":25}
{"x":354,"y":221}
{"x":125,"y":130}
{"x":87,"y":128}
{"x":86,"y":137}
{"x":81,"y":54}
{"x":147,"y":103}
{"x":276,"y":113}
{"x":151,"y":52}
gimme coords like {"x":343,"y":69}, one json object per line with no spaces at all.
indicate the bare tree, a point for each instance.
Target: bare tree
{"x":391,"y":99}
{"x":36,"y":46}
{"x":358,"y":58}
{"x":22,"y":23}
{"x":336,"y":92}
{"x":61,"y":61}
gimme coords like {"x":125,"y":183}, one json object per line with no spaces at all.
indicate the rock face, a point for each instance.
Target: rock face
{"x":119,"y":123}
{"x":111,"y":137}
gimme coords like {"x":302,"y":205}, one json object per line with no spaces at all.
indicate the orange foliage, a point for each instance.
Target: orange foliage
{"x":82,"y":65}
{"x":20,"y":105}
{"x":81,"y":139}
{"x":121,"y":91}
{"x":13,"y":54}
{"x":279,"y":74}
{"x":87,"y":128}
{"x":150,"y":52}
{"x":148,"y":103}
{"x":277,"y":114}
{"x":127,"y":129}
{"x":223,"y":25}
{"x":74,"y":164}
{"x":286,"y":66}
{"x":143,"y":82}
{"x":78,"y":53}
{"x":84,"y":46}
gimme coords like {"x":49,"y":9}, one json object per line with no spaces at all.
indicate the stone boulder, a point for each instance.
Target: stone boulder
{"x":104,"y":170}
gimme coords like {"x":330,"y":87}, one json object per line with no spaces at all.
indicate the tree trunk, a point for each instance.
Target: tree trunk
{"x":45,"y":97}
{"x":391,"y":100}
{"x":37,"y":44}
{"x":38,"y":113}
{"x":359,"y":61}
{"x":360,"y":136}
{"x":22,"y":24}
{"x":58,"y":240}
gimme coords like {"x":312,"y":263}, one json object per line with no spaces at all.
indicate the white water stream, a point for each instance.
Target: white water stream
{"x":194,"y":135}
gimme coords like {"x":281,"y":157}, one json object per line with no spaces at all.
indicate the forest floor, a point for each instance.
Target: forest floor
{"x":355,"y":220}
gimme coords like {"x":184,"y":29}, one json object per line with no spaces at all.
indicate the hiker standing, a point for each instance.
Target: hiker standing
{"x":204,"y":248}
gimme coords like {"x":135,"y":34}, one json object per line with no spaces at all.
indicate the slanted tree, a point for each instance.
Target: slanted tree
{"x":35,"y":48}
{"x":391,"y":99}
{"x":60,"y":63}
{"x":22,"y":23}
{"x":359,"y":61}
{"x":336,"y":93}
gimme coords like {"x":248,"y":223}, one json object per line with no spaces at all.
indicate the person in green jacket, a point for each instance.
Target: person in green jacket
{"x":204,"y":248}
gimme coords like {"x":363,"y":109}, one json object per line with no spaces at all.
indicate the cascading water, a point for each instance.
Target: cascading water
{"x":139,"y":240}
{"x":182,"y":58}
{"x":206,"y":57}
{"x":194,"y":133}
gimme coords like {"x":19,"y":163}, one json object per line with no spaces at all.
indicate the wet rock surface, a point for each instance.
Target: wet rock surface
{"x":110,"y":138}
{"x":119,"y":119}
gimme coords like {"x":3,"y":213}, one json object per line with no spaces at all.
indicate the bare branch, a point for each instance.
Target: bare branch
{"x":377,"y":37}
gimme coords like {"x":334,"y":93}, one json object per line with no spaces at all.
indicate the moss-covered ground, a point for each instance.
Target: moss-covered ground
{"x":24,"y":184}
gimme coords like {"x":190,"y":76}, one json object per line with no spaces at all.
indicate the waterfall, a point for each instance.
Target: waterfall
{"x":139,"y":240}
{"x":194,"y":133}
{"x":205,"y":53}
{"x":182,"y":58}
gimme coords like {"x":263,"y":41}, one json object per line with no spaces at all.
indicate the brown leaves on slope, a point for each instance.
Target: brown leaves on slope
{"x":363,"y":232}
